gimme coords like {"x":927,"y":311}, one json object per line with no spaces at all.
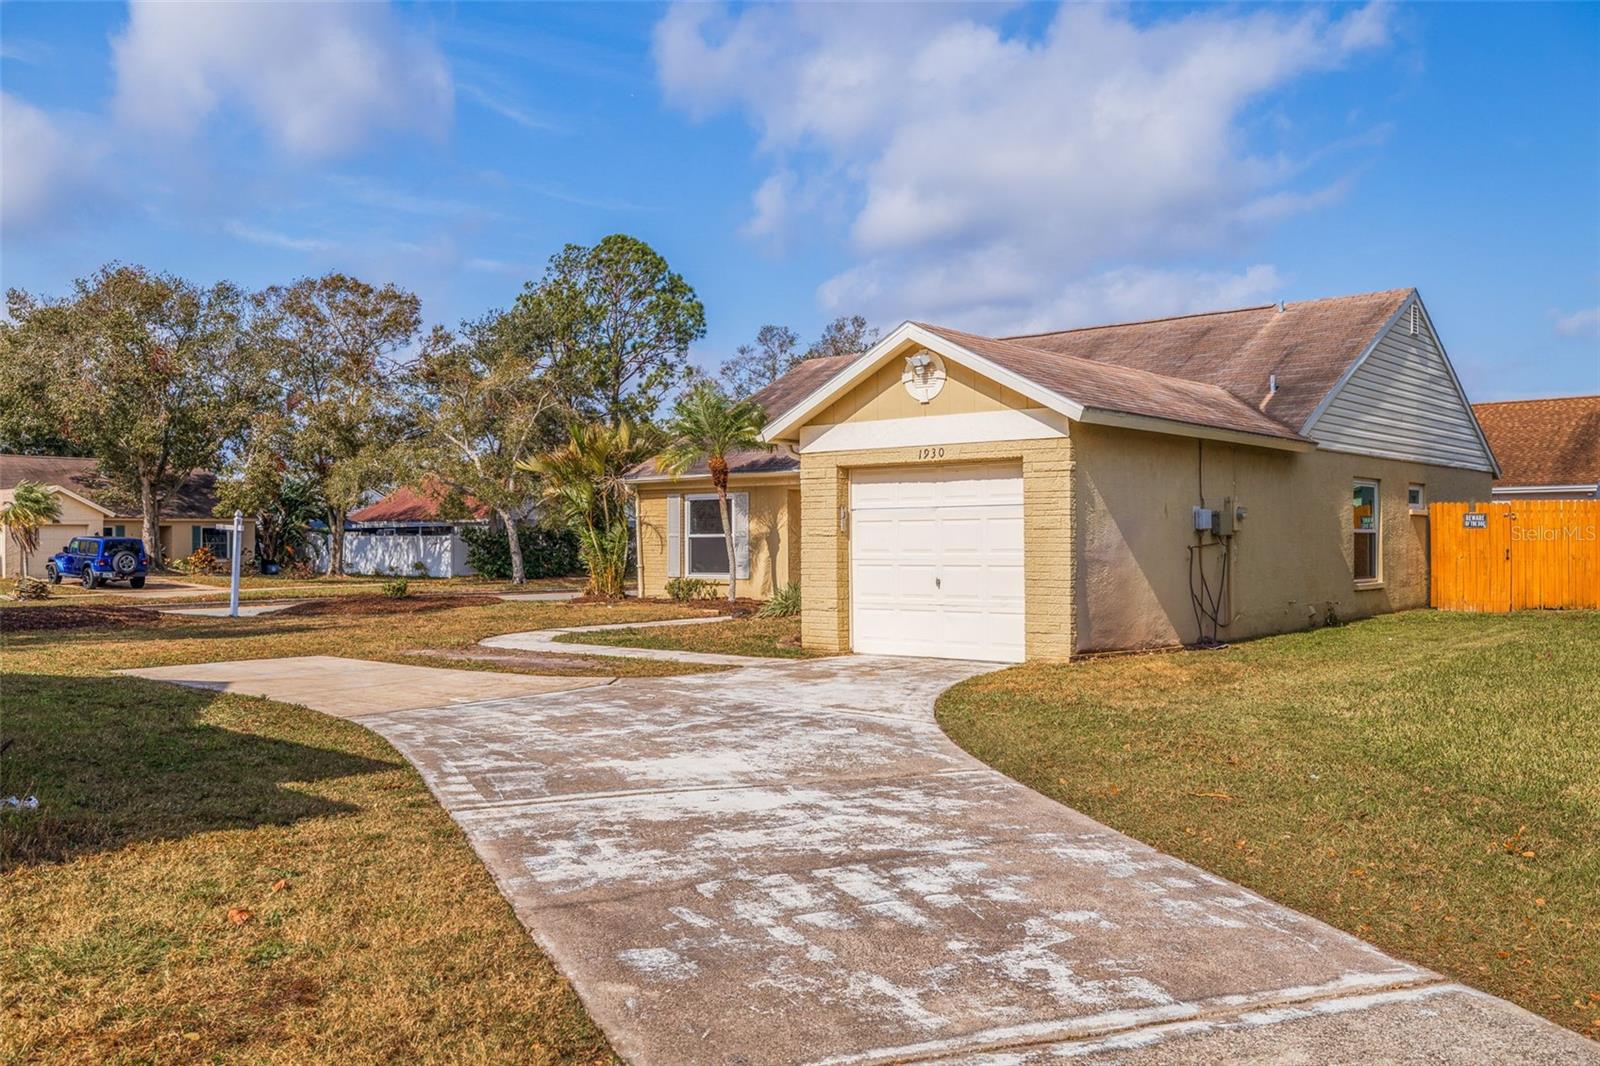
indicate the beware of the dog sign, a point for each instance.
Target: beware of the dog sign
{"x":1475,"y":520}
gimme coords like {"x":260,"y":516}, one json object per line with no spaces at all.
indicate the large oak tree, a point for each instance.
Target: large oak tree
{"x":333,"y":342}
{"x":147,"y":372}
{"x":484,"y":402}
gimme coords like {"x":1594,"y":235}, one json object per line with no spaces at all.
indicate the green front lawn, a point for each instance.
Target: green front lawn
{"x":1427,"y":781}
{"x":768,"y":637}
{"x":224,"y":878}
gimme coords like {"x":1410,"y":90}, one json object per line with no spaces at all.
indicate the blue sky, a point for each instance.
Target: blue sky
{"x":997,"y":168}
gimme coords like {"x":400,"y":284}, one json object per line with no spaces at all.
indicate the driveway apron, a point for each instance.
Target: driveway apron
{"x":791,"y":863}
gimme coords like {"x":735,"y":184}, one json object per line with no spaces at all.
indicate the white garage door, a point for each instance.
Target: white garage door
{"x":936,"y":562}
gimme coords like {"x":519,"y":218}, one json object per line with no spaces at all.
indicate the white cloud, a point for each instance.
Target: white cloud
{"x":1584,"y":323}
{"x":319,"y":78}
{"x":274,"y":239}
{"x":46,"y":165}
{"x":515,"y":113}
{"x":997,"y":178}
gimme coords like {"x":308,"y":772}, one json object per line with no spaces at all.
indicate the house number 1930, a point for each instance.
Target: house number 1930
{"x":931,"y":453}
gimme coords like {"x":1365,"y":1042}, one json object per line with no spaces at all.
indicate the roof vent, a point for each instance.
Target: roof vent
{"x":1272,"y":384}
{"x":1280,"y":307}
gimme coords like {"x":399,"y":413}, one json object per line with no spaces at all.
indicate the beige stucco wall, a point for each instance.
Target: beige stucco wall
{"x":177,"y":537}
{"x":881,"y":395}
{"x":1292,"y":556}
{"x":77,"y":519}
{"x":774,"y":555}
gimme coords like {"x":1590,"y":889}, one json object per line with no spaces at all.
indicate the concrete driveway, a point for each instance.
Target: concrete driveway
{"x":791,"y":863}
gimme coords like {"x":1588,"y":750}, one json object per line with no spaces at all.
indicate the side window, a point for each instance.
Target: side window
{"x":216,"y":540}
{"x":708,"y":549}
{"x":1367,"y":525}
{"x":1417,"y":498}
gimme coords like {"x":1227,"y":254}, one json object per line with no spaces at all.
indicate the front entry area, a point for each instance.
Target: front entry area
{"x":936,"y":562}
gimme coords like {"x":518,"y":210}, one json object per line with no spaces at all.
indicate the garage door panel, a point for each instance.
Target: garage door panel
{"x":937,"y":562}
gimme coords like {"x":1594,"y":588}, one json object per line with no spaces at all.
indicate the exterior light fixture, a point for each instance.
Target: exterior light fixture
{"x":924,"y":375}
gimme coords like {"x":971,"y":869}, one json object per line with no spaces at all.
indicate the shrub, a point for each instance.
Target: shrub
{"x":397,"y":588}
{"x":784,"y":603}
{"x":545,"y":552}
{"x":200,"y":561}
{"x":302,"y":570}
{"x":31,"y":588}
{"x":684,"y":589}
{"x":419,"y":569}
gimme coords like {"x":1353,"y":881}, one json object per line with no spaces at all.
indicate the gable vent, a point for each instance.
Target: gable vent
{"x":1416,"y":320}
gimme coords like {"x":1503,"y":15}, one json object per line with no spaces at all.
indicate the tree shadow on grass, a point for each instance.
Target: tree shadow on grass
{"x":115,"y":761}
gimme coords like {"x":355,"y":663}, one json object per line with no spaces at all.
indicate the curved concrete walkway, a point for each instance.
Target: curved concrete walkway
{"x":792,"y":863}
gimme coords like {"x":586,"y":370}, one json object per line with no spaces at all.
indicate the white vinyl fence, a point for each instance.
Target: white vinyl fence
{"x":398,"y":552}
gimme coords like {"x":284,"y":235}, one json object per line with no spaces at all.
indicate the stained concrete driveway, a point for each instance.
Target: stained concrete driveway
{"x":791,"y":863}
{"x":353,"y":688}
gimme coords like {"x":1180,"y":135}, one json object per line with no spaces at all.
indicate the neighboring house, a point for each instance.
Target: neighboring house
{"x":946,"y":494}
{"x":1548,"y":449}
{"x":92,"y":506}
{"x":404,"y":529}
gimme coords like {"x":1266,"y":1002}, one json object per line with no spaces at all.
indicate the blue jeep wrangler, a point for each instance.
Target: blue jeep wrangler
{"x":95,"y":560}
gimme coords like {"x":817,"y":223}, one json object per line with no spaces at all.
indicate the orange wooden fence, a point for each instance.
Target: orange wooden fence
{"x":1515,"y":556}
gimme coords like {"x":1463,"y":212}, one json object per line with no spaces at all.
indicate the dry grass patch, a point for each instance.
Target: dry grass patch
{"x":1426,"y":781}
{"x":223,"y":877}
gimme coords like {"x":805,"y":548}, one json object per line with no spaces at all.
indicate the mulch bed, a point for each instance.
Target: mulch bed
{"x":32,"y":619}
{"x":363,"y":606}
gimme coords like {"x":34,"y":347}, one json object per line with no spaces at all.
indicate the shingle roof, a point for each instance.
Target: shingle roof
{"x":1308,"y":345}
{"x":788,"y":390}
{"x":1119,"y":388}
{"x":415,"y":503}
{"x":802,"y":379}
{"x":777,"y":461}
{"x":1544,"y":442}
{"x":1212,"y":369}
{"x":195,"y":498}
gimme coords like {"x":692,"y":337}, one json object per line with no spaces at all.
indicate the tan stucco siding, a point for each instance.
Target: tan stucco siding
{"x":1047,"y":506}
{"x":177,"y":538}
{"x":773,"y":549}
{"x":77,"y":519}
{"x":1292,"y":557}
{"x":882,"y":395}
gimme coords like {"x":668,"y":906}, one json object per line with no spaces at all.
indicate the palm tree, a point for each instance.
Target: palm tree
{"x":582,"y":482}
{"x":31,"y":506}
{"x":708,"y":424}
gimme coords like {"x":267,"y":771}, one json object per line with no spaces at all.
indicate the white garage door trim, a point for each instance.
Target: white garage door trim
{"x":936,"y":562}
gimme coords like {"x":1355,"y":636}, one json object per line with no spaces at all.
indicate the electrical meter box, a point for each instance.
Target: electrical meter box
{"x":1204,"y":519}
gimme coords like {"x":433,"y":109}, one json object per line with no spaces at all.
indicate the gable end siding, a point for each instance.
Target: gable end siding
{"x":1402,"y":402}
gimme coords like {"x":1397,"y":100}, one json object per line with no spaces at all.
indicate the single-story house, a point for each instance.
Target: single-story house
{"x":1206,"y":476}
{"x":414,"y":524}
{"x":1548,"y":449}
{"x":92,"y":506}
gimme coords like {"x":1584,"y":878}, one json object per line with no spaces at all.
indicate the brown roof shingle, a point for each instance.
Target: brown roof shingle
{"x":799,"y":382}
{"x":1308,"y":346}
{"x":777,"y":461}
{"x":1111,"y":387}
{"x":1209,"y":369}
{"x":1544,"y":442}
{"x":418,"y":503}
{"x":195,"y":498}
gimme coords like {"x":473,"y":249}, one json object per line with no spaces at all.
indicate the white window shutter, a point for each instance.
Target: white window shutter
{"x":741,"y":534}
{"x":674,"y":536}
